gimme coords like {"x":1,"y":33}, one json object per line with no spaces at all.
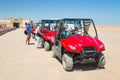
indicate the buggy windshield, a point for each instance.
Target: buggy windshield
{"x":49,"y":24}
{"x":79,"y":27}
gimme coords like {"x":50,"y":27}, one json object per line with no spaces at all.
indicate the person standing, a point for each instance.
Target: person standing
{"x":29,"y":31}
{"x":38,"y":36}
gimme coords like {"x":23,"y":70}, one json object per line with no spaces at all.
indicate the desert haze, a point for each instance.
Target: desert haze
{"x":19,"y":61}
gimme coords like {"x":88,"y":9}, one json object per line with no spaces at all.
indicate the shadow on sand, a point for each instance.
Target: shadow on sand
{"x":83,"y":67}
{"x":31,"y":43}
{"x":86,"y":67}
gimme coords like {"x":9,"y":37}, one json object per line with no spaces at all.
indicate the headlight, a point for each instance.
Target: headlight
{"x":79,"y":44}
{"x":72,"y":47}
{"x":101,"y":46}
{"x":48,"y":37}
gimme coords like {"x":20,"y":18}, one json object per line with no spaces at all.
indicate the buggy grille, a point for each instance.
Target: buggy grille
{"x":89,"y":51}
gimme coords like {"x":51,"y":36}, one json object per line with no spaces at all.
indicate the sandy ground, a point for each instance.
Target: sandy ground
{"x":19,"y":61}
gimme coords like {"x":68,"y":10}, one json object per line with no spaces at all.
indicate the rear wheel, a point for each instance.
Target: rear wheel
{"x":100,"y":61}
{"x":67,"y":62}
{"x":47,"y":46}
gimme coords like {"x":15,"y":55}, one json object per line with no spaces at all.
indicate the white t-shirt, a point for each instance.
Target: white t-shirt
{"x":37,"y":29}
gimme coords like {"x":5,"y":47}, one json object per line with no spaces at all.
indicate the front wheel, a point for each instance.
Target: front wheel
{"x":54,"y":52}
{"x":67,"y":62}
{"x":47,"y":46}
{"x":100,"y":61}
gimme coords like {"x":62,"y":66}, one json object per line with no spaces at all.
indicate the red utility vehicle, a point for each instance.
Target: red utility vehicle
{"x":48,"y":30}
{"x":77,"y":42}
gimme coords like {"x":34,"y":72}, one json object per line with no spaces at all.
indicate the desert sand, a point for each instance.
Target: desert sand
{"x":19,"y":61}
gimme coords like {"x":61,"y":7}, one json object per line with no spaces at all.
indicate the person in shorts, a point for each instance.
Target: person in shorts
{"x":29,"y":31}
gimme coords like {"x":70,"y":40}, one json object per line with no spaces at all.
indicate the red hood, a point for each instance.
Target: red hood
{"x":79,"y":42}
{"x":50,"y":36}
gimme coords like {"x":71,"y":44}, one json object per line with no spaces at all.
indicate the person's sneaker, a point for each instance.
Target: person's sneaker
{"x":28,"y":43}
{"x":25,"y":42}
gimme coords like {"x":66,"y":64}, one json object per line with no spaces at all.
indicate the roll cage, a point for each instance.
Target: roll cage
{"x":48,"y":24}
{"x":79,"y":24}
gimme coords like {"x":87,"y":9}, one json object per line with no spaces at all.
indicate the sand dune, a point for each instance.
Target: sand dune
{"x":19,"y":61}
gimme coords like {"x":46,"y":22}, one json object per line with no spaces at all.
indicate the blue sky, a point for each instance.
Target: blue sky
{"x":101,"y":11}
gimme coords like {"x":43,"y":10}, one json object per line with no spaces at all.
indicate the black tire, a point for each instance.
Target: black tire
{"x":47,"y":46}
{"x":67,"y":62}
{"x":100,"y":60}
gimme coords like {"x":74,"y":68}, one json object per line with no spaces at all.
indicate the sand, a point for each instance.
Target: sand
{"x":19,"y":61}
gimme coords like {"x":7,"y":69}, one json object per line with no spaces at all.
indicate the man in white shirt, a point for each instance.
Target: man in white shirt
{"x":38,"y":37}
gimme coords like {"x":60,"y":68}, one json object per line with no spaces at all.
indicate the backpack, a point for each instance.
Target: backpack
{"x":25,"y":32}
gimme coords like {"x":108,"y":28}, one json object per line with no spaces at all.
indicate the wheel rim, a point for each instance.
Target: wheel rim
{"x":102,"y":61}
{"x":64,"y":62}
{"x":45,"y":45}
